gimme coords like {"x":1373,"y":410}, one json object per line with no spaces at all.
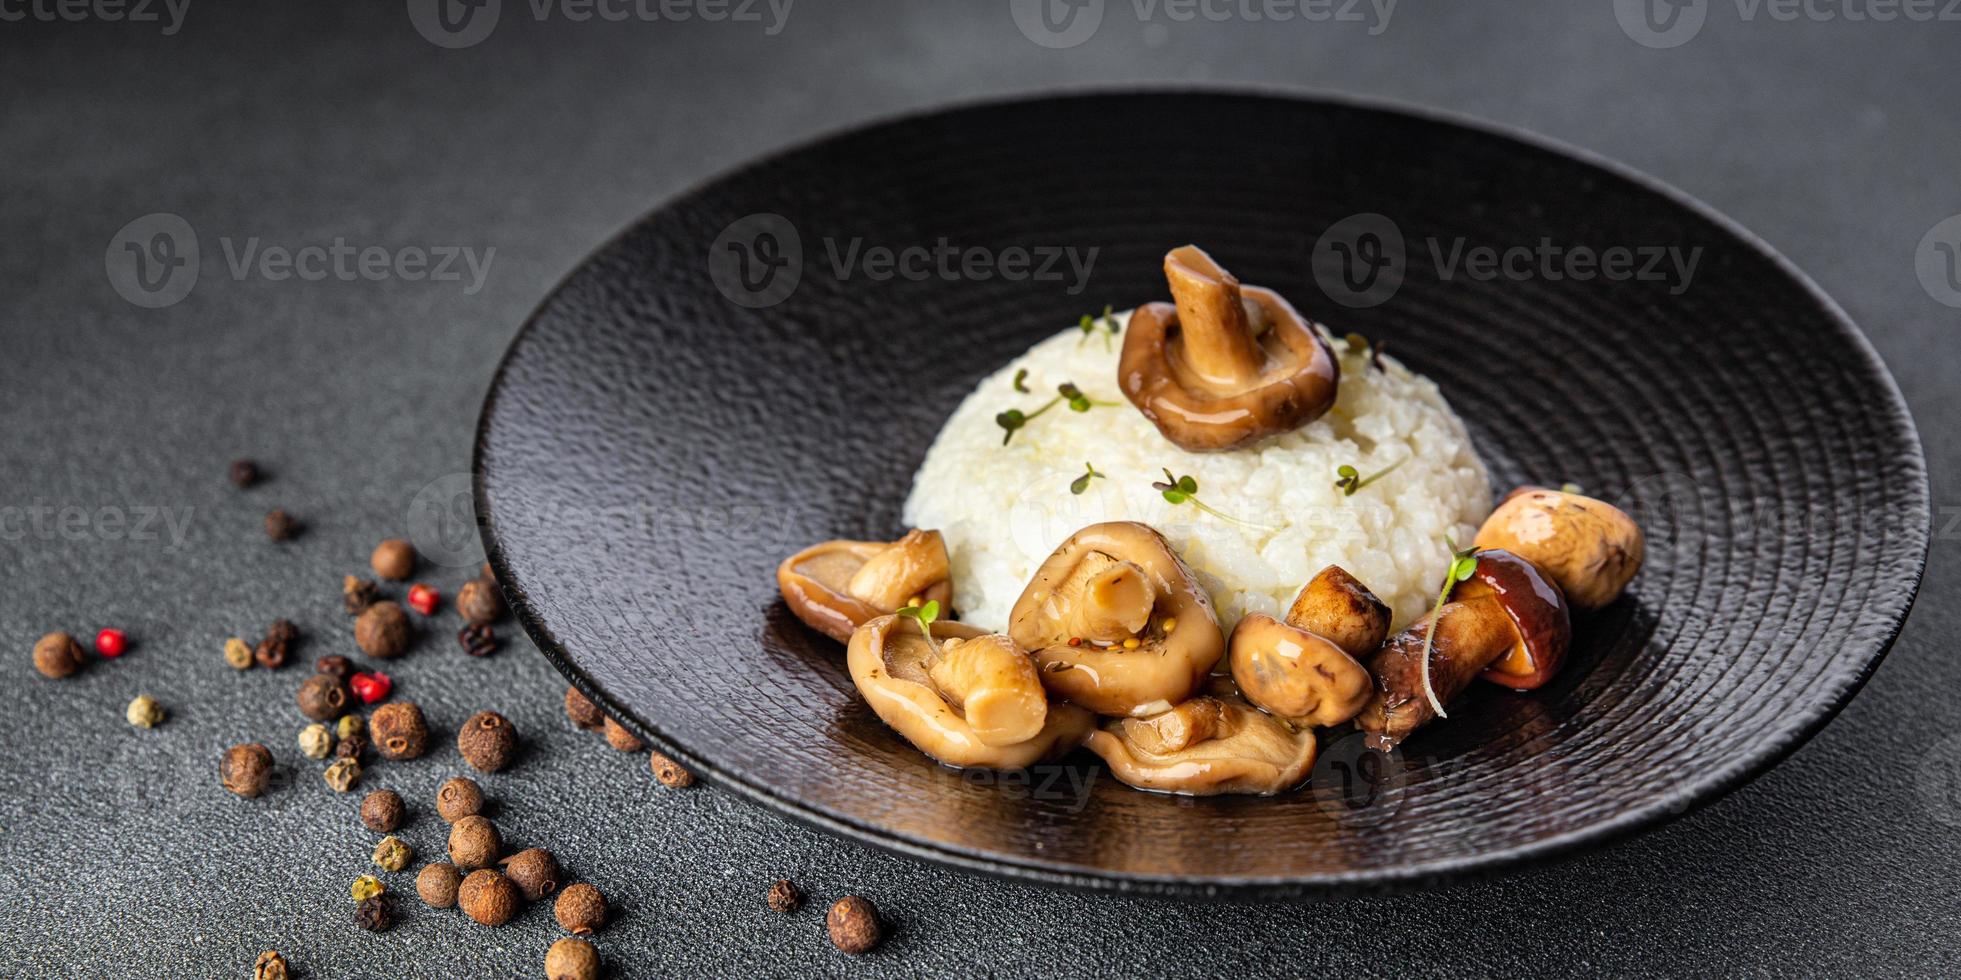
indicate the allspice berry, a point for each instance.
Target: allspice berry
{"x":322,"y":697}
{"x":382,"y":811}
{"x":57,"y":655}
{"x":316,"y":741}
{"x":534,"y":871}
{"x":144,"y":712}
{"x":670,"y":773}
{"x":571,"y":958}
{"x":784,"y":897}
{"x":270,"y":966}
{"x":281,"y":526}
{"x":246,"y":769}
{"x":399,"y":730}
{"x":437,"y":884}
{"x":393,"y":853}
{"x":459,"y":797}
{"x":334,"y":664}
{"x":342,"y":774}
{"x":382,"y":630}
{"x":393,"y":559}
{"x":488,"y":897}
{"x":487,"y":741}
{"x":580,"y":909}
{"x":618,"y":737}
{"x":479,"y":602}
{"x":474,"y":843}
{"x":582,"y":711}
{"x":854,"y":925}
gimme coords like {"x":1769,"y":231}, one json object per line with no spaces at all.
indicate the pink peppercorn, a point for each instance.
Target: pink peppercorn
{"x":111,"y":643}
{"x":370,"y":687}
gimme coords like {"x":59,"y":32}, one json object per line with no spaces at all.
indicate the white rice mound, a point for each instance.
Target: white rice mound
{"x":1003,"y":509}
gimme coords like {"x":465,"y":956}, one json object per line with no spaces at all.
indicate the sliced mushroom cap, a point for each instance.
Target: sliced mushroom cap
{"x":1336,"y":605}
{"x":838,"y":586}
{"x":1538,"y":613}
{"x":895,"y":671}
{"x":1207,"y":745}
{"x":1102,"y":580}
{"x":1297,"y":675}
{"x":1226,"y":365}
{"x":1589,"y":547}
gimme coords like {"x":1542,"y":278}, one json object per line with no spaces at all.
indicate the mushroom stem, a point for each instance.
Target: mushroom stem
{"x":1116,"y":604}
{"x":1219,"y":345}
{"x":902,"y":571}
{"x":1180,"y":728}
{"x":1470,"y":636}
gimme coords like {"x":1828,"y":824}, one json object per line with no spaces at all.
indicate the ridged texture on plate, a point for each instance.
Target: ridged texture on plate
{"x":651,"y":450}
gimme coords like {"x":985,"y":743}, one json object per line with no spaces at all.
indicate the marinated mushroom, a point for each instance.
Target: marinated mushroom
{"x":1211,"y":744}
{"x":1589,"y":548}
{"x":1223,"y":365}
{"x":1305,"y":669}
{"x":1117,"y":623}
{"x":970,"y":700}
{"x":838,"y":586}
{"x":1507,"y":610}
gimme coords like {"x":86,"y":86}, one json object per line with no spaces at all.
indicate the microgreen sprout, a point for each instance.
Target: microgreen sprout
{"x":1463,"y":564}
{"x":1087,"y":324}
{"x":1021,"y":376}
{"x":924,"y":616}
{"x":1014,"y":418}
{"x":1081,"y":483}
{"x":1079,"y":402}
{"x":1357,"y":342}
{"x":1184,"y":489}
{"x":1351,"y":479}
{"x":1570,"y":488}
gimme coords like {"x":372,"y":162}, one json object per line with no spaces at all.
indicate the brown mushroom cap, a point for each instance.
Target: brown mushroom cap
{"x":1589,"y":548}
{"x":1212,"y":744}
{"x":1336,"y":605}
{"x":1538,"y":613}
{"x":892,"y":665}
{"x":1203,"y":374}
{"x":838,"y":586}
{"x":1099,"y":672}
{"x":1297,"y":675}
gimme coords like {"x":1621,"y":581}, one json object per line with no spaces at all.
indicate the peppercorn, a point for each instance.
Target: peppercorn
{"x":342,"y":774}
{"x":246,"y":769}
{"x":581,"y":710}
{"x":784,"y":897}
{"x":374,"y":915}
{"x":854,"y":926}
{"x":351,"y":724}
{"x":424,"y":599}
{"x":366,"y":887}
{"x":437,"y":884}
{"x":488,"y":897}
{"x":670,"y":773}
{"x":237,"y":653}
{"x":474,"y":843}
{"x":580,"y":909}
{"x":244,"y":473}
{"x":399,"y":730}
{"x":393,"y":559}
{"x":618,"y":737}
{"x":111,"y":642}
{"x":352,"y":747}
{"x":477,"y":640}
{"x":571,"y":958}
{"x":487,"y":741}
{"x":459,"y":797}
{"x":269,"y":966}
{"x":322,"y":697}
{"x":382,"y":811}
{"x":57,"y":655}
{"x":144,"y":712}
{"x":479,"y":602}
{"x":271,"y":651}
{"x":392,"y":854}
{"x":316,"y":741}
{"x":357,"y":594}
{"x":534,"y":870}
{"x":280,"y":526}
{"x":383,"y":630}
{"x":334,"y":665}
{"x":370,"y":686}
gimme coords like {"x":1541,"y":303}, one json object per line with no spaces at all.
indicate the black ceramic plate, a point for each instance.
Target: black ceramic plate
{"x":711,"y":391}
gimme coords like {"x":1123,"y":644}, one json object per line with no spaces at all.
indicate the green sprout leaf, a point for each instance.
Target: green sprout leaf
{"x":1081,"y":483}
{"x":1184,"y":489}
{"x":1021,"y":376}
{"x":1349,"y":479}
{"x":925,"y":616}
{"x":1463,"y":564}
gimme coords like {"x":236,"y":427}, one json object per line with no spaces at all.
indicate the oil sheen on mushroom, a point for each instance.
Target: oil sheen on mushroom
{"x":1305,"y":669}
{"x":971,"y":701}
{"x":1589,"y":547}
{"x":838,"y":586}
{"x":1117,"y":623}
{"x":1207,"y":745}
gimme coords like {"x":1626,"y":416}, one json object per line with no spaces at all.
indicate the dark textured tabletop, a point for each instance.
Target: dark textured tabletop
{"x":1828,"y":129}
